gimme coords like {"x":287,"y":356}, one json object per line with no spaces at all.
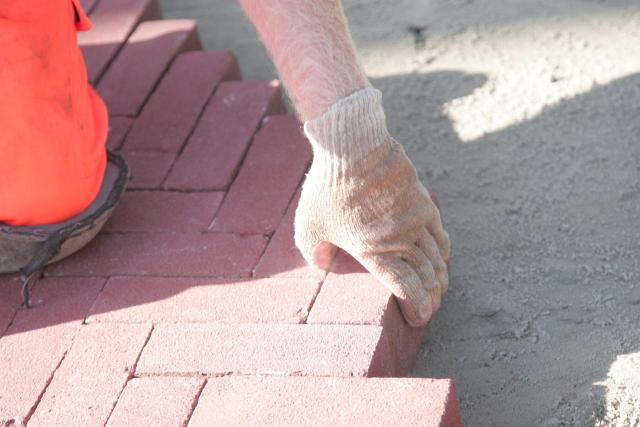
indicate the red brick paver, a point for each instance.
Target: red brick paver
{"x":118,"y":128}
{"x":172,"y":300}
{"x":158,"y":402}
{"x":92,"y":375}
{"x":282,"y":258}
{"x":277,"y":349}
{"x":271,"y":173}
{"x":148,"y":168}
{"x":164,"y":211}
{"x":350,"y":296}
{"x":186,"y":88}
{"x":213,"y":154}
{"x":87,"y":5}
{"x":9,"y":300}
{"x":143,"y":60}
{"x":295,"y":401}
{"x":113,"y":22}
{"x":36,"y":341}
{"x":165,"y":254}
{"x":193,"y":306}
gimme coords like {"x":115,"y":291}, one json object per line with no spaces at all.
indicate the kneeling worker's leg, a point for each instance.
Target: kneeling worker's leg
{"x":53,"y":126}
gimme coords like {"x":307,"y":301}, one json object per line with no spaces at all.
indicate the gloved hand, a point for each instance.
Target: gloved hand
{"x":362,"y":194}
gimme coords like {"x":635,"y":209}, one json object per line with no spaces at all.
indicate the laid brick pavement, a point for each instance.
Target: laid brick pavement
{"x":192,"y":306}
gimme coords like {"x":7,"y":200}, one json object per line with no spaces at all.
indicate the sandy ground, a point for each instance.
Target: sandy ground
{"x":524,"y":116}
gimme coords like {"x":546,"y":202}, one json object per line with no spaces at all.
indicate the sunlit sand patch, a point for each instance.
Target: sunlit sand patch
{"x":622,"y":405}
{"x":530,"y":66}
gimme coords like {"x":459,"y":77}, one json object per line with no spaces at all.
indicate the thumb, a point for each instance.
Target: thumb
{"x":312,"y":242}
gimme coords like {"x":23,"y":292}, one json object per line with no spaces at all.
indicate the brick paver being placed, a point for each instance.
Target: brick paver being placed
{"x":193,"y":306}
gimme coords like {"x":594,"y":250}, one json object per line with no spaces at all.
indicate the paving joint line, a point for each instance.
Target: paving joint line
{"x":186,"y":141}
{"x":194,"y":403}
{"x":146,"y":13}
{"x":104,"y":285}
{"x":32,"y":410}
{"x":130,"y":376}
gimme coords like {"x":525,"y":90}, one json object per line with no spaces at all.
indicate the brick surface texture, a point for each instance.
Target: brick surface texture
{"x":172,"y":300}
{"x":216,"y":148}
{"x":118,"y":128}
{"x":193,"y":306}
{"x":92,"y":375}
{"x":164,"y":211}
{"x":327,"y":350}
{"x":9,"y":300}
{"x":148,"y":168}
{"x":264,"y":400}
{"x":282,"y":258}
{"x":187,"y":87}
{"x":156,"y":401}
{"x":142,"y":61}
{"x":271,"y":172}
{"x":113,"y":22}
{"x":33,"y":346}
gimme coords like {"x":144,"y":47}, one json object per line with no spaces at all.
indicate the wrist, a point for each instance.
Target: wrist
{"x":350,"y":129}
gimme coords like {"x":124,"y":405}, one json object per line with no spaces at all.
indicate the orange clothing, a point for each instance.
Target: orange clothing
{"x":53,"y":126}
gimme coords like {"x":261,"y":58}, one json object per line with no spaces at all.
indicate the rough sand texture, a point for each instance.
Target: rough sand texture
{"x":524,"y":116}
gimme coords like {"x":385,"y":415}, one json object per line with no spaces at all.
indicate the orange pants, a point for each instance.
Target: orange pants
{"x":53,"y":126}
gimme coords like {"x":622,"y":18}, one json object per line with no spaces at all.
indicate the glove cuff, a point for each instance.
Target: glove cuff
{"x":350,"y":129}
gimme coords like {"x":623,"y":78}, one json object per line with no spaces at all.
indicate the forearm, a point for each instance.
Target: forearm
{"x":311,"y":48}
